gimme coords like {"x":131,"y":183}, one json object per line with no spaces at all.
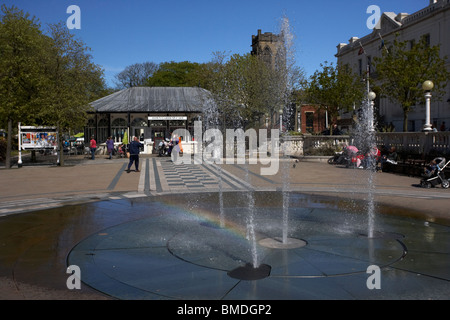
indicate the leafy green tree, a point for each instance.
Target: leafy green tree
{"x":176,"y":74}
{"x":335,"y":89}
{"x":401,"y":72}
{"x":22,"y":49}
{"x":229,"y":91}
{"x":245,"y":88}
{"x":72,"y":82}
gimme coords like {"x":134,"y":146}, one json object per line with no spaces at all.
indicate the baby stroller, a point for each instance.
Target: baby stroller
{"x":434,"y":174}
{"x":120,"y":151}
{"x":338,"y":158}
{"x":353,"y":158}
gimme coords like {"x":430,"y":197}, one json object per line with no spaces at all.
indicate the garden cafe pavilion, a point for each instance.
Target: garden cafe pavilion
{"x":149,"y":113}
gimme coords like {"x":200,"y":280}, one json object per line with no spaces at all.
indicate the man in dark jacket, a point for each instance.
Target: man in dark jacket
{"x":135,"y":148}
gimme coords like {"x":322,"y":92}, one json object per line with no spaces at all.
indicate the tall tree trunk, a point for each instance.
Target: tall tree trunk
{"x":9,"y":145}
{"x":405,"y":121}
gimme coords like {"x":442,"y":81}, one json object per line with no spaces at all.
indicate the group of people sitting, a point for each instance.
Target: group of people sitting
{"x":380,"y":160}
{"x":373,"y":158}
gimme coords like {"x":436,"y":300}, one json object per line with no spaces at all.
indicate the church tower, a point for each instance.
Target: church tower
{"x":265,"y":45}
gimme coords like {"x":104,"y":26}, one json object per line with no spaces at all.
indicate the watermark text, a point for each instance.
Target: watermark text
{"x":373,"y":22}
{"x":74,"y":20}
{"x":74,"y":280}
{"x":239,"y":146}
{"x":374,"y":281}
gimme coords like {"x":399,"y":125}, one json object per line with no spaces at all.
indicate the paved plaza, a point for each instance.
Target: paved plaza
{"x":50,"y":215}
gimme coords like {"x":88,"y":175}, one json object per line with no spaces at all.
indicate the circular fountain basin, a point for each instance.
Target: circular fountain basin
{"x":185,"y":249}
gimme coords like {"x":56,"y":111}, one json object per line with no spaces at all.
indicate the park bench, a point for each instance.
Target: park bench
{"x":412,"y":166}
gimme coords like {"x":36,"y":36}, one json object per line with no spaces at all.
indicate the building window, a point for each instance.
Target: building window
{"x":267,"y":56}
{"x":139,"y":122}
{"x":177,"y":123}
{"x":118,"y":128}
{"x":158,"y":123}
{"x":360,"y":67}
{"x":138,"y":128}
{"x":411,"y":125}
{"x":309,"y":121}
{"x":90,"y":130}
{"x":102,"y":130}
{"x":427,"y":39}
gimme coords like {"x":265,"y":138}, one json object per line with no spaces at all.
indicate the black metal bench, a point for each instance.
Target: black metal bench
{"x":410,"y":167}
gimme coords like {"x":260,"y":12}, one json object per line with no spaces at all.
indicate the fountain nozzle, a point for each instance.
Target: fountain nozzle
{"x":250,"y":272}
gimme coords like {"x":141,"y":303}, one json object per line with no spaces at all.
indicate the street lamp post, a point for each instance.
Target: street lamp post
{"x":19,"y":162}
{"x":427,"y":86}
{"x":281,"y":120}
{"x":372,"y":96}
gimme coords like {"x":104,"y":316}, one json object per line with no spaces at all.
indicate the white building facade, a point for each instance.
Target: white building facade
{"x":433,"y":23}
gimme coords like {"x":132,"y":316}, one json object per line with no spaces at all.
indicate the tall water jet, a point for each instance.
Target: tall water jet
{"x":284,"y":65}
{"x":286,"y":198}
{"x":250,"y":218}
{"x":212,"y":121}
{"x":287,"y":76}
{"x":365,"y":138}
{"x":221,"y":208}
{"x":227,"y":95}
{"x":254,"y":270}
{"x":251,"y":233}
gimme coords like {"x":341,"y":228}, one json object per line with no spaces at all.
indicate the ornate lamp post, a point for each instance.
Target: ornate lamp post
{"x":427,"y":86}
{"x":372,"y":96}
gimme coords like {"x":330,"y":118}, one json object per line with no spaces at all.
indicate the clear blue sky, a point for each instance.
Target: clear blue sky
{"x":121,"y":33}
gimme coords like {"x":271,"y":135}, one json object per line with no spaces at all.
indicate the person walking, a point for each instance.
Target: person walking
{"x":135,"y":149}
{"x":110,"y":146}
{"x":93,"y":145}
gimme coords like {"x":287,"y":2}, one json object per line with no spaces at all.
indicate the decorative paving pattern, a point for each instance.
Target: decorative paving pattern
{"x":189,"y":176}
{"x":193,"y":177}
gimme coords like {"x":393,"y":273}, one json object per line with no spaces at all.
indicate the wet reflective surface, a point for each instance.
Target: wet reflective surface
{"x":185,"y":247}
